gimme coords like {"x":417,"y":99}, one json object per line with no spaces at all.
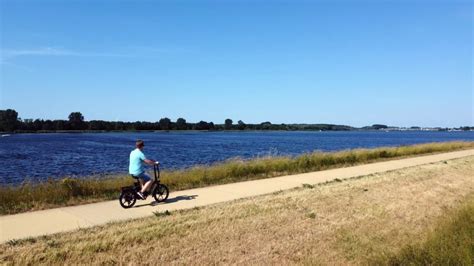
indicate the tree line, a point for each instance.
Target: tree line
{"x":10,"y":122}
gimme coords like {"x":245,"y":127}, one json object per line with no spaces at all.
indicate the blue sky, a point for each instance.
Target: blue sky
{"x":400,"y":63}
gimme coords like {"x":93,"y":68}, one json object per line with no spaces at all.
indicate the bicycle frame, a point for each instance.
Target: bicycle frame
{"x":156,"y":169}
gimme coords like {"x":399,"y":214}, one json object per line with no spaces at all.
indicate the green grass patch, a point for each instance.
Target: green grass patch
{"x":450,"y":243}
{"x":71,"y":191}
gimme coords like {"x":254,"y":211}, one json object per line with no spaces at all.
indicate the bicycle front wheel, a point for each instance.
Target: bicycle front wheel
{"x":161,"y":193}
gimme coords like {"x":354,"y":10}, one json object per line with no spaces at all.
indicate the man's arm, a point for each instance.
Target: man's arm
{"x":149,"y":162}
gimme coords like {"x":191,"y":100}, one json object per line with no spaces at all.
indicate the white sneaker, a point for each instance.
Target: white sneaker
{"x":140,"y":194}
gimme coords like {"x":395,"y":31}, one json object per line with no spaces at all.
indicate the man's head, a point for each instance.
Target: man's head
{"x":139,"y":144}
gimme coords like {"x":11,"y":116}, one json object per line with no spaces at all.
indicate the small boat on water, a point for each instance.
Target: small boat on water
{"x":5,"y":135}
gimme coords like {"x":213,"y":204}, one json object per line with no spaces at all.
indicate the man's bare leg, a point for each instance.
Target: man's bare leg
{"x":147,"y":186}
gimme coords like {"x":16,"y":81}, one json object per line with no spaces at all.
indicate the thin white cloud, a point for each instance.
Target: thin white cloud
{"x":131,"y":51}
{"x":51,"y":51}
{"x":48,"y":51}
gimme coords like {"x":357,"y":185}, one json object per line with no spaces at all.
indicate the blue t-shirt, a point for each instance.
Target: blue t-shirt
{"x":136,"y":162}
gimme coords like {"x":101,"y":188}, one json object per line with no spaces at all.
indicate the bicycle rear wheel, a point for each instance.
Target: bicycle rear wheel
{"x":127,"y":199}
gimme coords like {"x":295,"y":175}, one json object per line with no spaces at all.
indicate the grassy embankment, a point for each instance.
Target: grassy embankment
{"x":450,"y":243}
{"x":419,"y":215}
{"x":70,"y":191}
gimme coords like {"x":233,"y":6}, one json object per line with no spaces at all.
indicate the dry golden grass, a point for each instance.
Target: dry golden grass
{"x":451,"y":242}
{"x":337,"y":223}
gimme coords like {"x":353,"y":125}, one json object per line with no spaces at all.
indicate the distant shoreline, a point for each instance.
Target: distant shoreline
{"x":246,"y":130}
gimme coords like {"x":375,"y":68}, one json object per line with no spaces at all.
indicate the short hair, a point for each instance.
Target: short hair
{"x":139,"y":143}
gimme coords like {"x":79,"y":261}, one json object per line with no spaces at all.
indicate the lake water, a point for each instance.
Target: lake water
{"x":42,"y":156}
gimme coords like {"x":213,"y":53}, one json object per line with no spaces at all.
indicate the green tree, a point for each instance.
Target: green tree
{"x":8,"y":120}
{"x":181,"y":124}
{"x":76,"y":120}
{"x":165,"y":123}
{"x":379,"y":126}
{"x":265,"y":125}
{"x":27,"y":124}
{"x":202,"y":125}
{"x":99,"y":125}
{"x":228,"y":124}
{"x":47,"y":125}
{"x":38,"y":124}
{"x":241,"y":125}
{"x":119,"y":125}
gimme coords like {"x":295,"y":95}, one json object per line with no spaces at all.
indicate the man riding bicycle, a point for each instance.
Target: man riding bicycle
{"x":137,"y":167}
